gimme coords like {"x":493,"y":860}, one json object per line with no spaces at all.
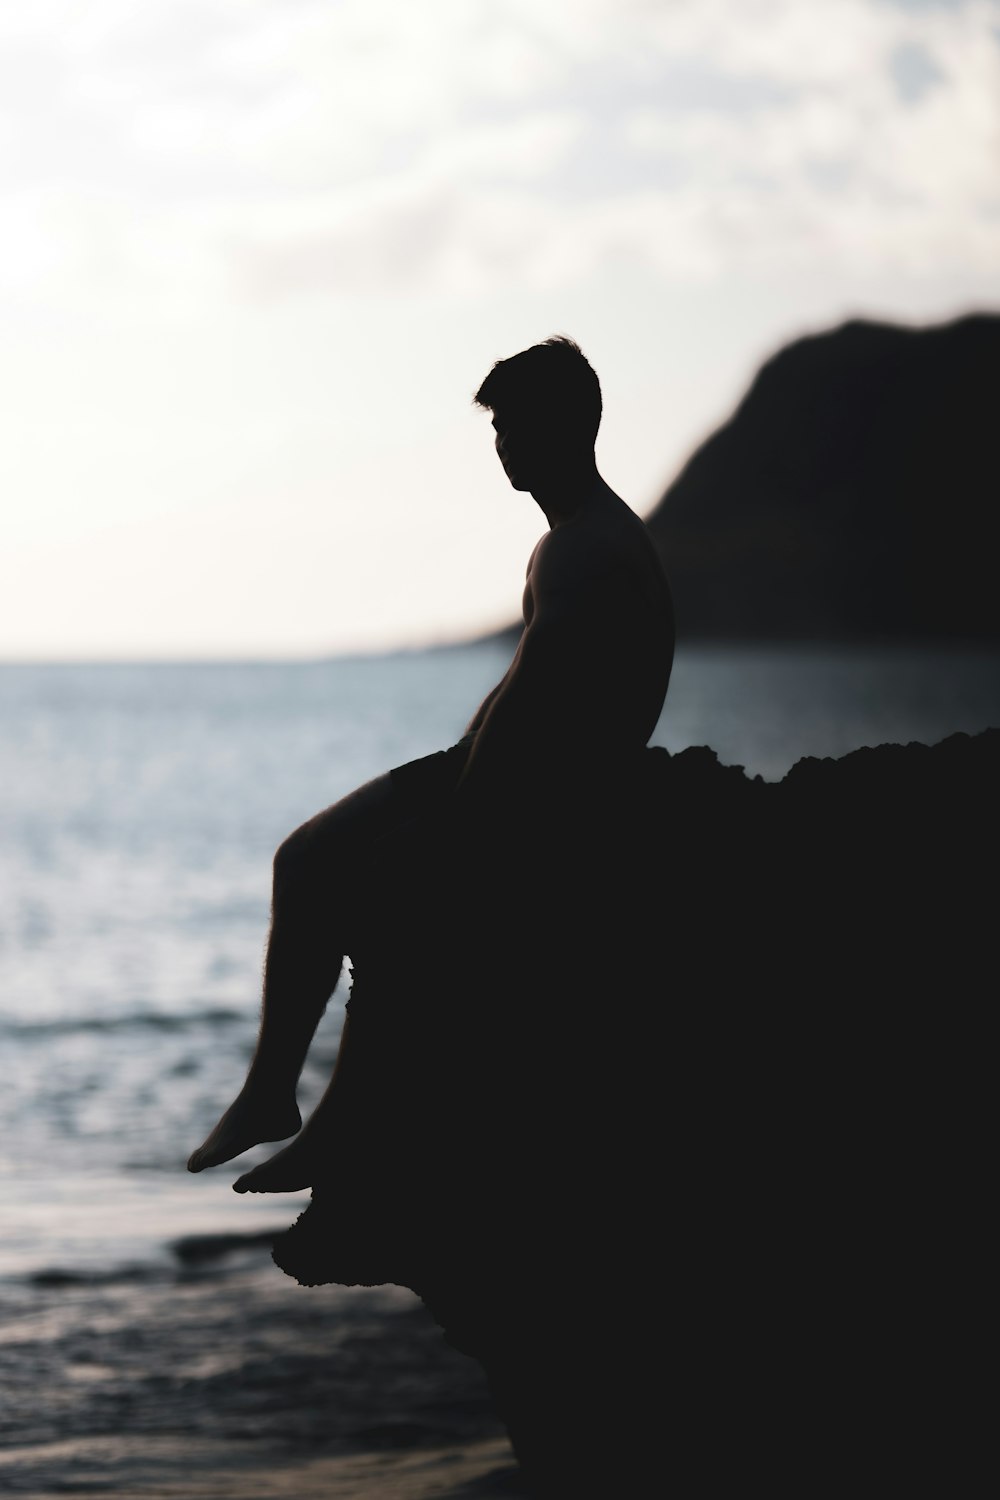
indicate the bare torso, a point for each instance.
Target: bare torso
{"x":590,"y":674}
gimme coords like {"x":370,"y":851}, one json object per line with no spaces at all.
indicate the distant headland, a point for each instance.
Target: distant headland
{"x":854,"y":494}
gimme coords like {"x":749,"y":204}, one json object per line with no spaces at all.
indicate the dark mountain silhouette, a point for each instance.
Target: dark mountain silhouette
{"x":853,"y":494}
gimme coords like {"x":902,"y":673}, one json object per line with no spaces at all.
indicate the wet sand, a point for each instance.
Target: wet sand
{"x":160,"y":1469}
{"x":226,"y":1379}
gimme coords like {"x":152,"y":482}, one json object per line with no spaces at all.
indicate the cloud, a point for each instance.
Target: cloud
{"x":843,"y":168}
{"x":264,"y":149}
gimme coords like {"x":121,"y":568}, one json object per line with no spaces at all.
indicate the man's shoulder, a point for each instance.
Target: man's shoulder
{"x":603,"y":544}
{"x":580,"y":541}
{"x":568,"y":554}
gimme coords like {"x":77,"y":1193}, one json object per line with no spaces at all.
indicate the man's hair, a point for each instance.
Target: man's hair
{"x":552,"y":379}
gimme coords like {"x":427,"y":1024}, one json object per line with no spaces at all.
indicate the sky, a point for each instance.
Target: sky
{"x":256,"y":257}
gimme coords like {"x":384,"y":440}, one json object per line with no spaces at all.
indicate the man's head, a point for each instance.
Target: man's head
{"x":546,"y":405}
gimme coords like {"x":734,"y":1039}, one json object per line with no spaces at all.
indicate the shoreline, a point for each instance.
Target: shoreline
{"x":226,"y":1381}
{"x":163,"y":1469}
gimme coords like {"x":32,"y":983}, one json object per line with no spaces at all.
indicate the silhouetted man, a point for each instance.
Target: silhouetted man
{"x":580,"y":699}
{"x":467,"y":1125}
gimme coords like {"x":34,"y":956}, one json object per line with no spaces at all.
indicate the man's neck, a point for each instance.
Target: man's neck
{"x":571,"y":491}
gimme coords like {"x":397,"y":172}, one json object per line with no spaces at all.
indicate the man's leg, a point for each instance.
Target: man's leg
{"x":308,"y":939}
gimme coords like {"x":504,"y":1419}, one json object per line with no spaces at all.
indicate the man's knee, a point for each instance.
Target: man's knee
{"x":293,"y":861}
{"x":323,"y":848}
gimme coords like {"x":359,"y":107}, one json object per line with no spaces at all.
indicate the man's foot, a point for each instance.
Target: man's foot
{"x":249,"y":1121}
{"x":288,"y":1171}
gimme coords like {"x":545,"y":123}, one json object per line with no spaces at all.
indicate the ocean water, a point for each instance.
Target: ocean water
{"x":140,"y":806}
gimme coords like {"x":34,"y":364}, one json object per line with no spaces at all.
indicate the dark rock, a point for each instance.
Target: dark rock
{"x":699,"y":1127}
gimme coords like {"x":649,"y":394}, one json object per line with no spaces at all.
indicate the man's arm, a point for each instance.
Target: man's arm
{"x":480,"y":714}
{"x":545,"y":699}
{"x":476,"y":722}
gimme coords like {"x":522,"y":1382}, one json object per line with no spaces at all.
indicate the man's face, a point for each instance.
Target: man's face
{"x":520,"y":448}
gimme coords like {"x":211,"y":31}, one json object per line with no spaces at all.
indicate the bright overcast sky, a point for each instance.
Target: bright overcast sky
{"x":256,"y":256}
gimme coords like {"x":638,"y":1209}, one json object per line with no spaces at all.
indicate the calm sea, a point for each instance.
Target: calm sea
{"x":139,"y":809}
